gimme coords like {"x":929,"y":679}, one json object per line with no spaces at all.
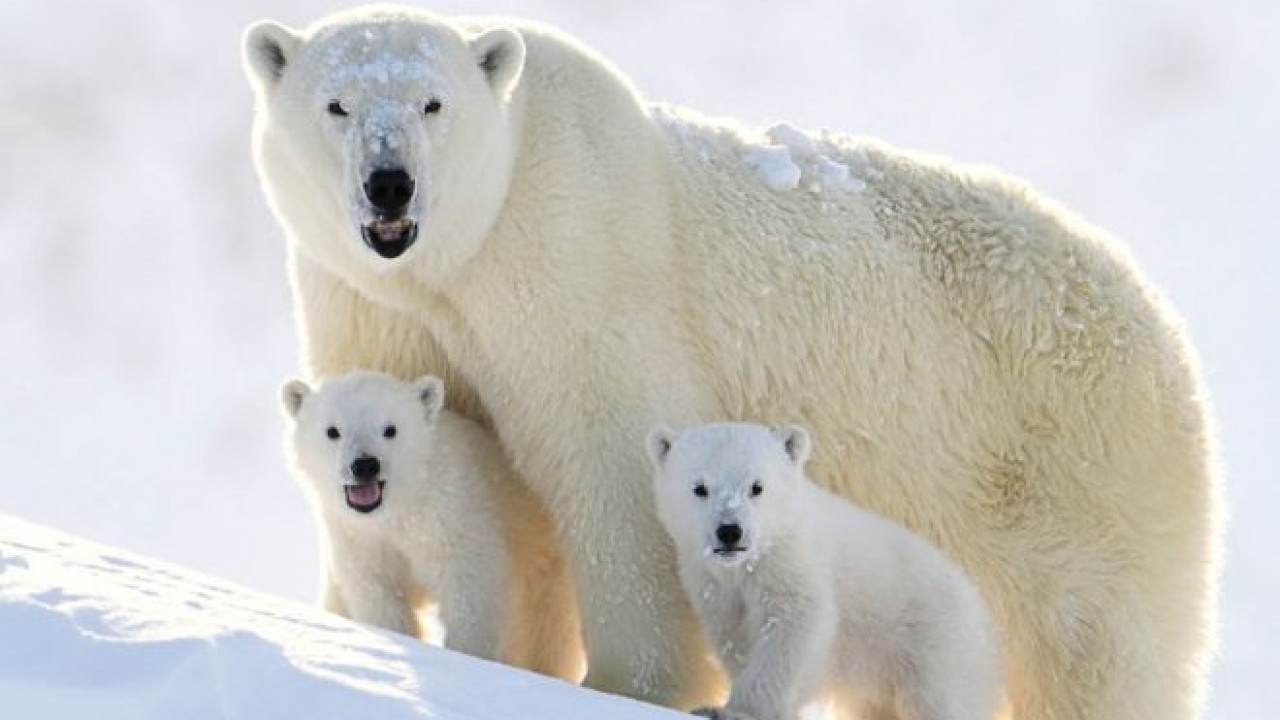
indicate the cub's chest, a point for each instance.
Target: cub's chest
{"x":733,"y":623}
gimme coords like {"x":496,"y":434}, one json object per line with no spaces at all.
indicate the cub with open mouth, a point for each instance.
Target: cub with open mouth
{"x":419,"y":506}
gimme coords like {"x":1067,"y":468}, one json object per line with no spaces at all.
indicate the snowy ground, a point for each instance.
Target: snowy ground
{"x":145,"y":315}
{"x":93,"y":632}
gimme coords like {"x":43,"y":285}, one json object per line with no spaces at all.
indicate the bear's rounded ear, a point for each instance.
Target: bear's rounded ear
{"x":500,"y":54}
{"x":267,"y":48}
{"x":430,"y":391}
{"x":795,"y":441}
{"x":658,"y":444}
{"x":292,"y":394}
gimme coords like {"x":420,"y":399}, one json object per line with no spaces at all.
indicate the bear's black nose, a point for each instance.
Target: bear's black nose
{"x":389,"y":190}
{"x":729,"y":535}
{"x":366,"y":467}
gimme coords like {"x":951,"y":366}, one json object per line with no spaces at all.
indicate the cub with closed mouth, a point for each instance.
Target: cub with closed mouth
{"x":808,"y":598}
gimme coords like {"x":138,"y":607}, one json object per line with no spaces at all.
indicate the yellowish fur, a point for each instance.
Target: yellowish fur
{"x":980,"y":364}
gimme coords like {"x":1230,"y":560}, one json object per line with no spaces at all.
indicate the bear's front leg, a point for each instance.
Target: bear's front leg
{"x":641,"y":635}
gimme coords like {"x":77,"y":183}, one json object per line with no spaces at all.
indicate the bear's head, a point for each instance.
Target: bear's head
{"x":383,"y":135}
{"x":362,"y":440}
{"x":726,"y":489}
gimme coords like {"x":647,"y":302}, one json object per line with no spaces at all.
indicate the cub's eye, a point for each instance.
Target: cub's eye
{"x":756,"y":489}
{"x":432,"y":107}
{"x":333,"y":433}
{"x":389,"y":432}
{"x":335,"y":108}
{"x":700,"y":490}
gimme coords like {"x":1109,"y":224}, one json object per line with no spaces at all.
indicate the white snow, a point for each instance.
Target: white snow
{"x":774,"y":166}
{"x":796,"y":140}
{"x":91,"y":632}
{"x":833,"y":175}
{"x":379,"y":70}
{"x":792,"y":158}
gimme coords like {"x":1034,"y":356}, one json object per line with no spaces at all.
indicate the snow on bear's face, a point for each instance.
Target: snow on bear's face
{"x":725,"y":489}
{"x":361,"y":439}
{"x":382,"y":135}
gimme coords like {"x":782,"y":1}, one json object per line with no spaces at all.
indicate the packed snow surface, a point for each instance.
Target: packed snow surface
{"x":92,"y":633}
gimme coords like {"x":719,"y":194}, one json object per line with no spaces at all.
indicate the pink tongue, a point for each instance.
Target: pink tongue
{"x":364,"y":493}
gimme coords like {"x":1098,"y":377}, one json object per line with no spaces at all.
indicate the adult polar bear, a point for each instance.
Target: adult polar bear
{"x":492,"y":202}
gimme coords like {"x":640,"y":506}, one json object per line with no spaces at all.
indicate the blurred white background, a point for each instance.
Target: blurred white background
{"x":144,"y":311}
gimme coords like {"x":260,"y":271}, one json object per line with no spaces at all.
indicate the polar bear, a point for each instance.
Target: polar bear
{"x":418,"y":507}
{"x":489,"y":201}
{"x":807,"y":597}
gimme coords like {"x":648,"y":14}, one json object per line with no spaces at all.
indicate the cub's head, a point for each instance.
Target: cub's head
{"x":382,"y":134}
{"x":726,"y":489}
{"x":362,"y":440}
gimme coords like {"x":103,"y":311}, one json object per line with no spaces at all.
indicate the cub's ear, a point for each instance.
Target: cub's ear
{"x":500,"y":53}
{"x":658,"y":445}
{"x":291,"y":396}
{"x":795,"y":441}
{"x":267,"y":49}
{"x":431,"y":392}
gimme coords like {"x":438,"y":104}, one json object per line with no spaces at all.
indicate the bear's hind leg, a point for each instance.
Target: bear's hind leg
{"x":1119,"y":659}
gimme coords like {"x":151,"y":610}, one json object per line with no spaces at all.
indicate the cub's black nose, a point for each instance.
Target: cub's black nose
{"x":729,"y":535}
{"x":389,"y":190}
{"x":366,"y":467}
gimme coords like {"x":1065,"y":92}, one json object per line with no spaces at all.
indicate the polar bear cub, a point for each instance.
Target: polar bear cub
{"x":806,"y":597}
{"x":418,"y":507}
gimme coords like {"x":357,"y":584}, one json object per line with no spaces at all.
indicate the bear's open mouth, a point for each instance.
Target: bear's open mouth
{"x":389,"y":238}
{"x":364,"y":497}
{"x":736,"y":552}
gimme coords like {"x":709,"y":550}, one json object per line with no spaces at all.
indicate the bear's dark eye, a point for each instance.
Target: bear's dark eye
{"x":700,"y":490}
{"x":756,"y":489}
{"x":432,"y":107}
{"x":389,"y":432}
{"x":335,"y":108}
{"x":333,"y":433}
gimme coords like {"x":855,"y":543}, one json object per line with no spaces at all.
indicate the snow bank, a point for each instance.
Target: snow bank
{"x":91,"y":633}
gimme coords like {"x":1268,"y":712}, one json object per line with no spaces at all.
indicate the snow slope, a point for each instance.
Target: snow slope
{"x":89,"y":632}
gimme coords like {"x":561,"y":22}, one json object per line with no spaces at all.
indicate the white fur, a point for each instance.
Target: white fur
{"x":824,"y":601}
{"x":983,"y":367}
{"x":454,"y":529}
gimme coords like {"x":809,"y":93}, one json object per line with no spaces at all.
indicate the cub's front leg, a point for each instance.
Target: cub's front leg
{"x":331,"y":595}
{"x":474,"y":601}
{"x":790,"y":647}
{"x":367,"y":585}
